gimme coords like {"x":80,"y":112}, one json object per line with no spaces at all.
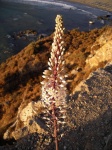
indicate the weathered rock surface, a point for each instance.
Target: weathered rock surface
{"x":104,"y":53}
{"x":27,"y":121}
{"x":89,"y":114}
{"x":92,"y":110}
{"x":25,"y":34}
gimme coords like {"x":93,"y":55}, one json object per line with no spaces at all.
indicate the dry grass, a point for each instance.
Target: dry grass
{"x":103,"y":4}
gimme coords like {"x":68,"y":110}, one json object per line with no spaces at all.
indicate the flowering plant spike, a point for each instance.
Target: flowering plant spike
{"x":54,"y":83}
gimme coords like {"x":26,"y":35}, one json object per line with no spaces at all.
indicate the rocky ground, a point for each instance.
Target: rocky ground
{"x":88,"y":59}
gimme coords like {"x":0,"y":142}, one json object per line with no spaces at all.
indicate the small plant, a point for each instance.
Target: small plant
{"x":54,"y":84}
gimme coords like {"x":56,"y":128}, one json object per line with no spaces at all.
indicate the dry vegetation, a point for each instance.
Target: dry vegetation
{"x":20,"y":75}
{"x":103,"y":4}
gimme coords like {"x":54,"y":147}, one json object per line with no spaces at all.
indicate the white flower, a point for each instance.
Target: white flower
{"x":54,"y":84}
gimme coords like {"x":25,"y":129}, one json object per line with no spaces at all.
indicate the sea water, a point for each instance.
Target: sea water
{"x":39,"y":15}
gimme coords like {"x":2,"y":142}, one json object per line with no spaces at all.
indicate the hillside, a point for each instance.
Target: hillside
{"x":89,"y":116}
{"x":102,"y":4}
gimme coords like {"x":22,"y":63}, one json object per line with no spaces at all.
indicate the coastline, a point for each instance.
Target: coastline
{"x":18,"y":21}
{"x":107,"y":6}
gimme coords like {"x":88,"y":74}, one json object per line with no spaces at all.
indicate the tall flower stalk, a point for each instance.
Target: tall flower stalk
{"x":54,"y":83}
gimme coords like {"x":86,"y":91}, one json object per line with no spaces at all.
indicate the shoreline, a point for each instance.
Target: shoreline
{"x":100,"y":5}
{"x":37,"y":22}
{"x":105,"y":6}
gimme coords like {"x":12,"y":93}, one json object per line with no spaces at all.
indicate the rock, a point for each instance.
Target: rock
{"x":105,"y":17}
{"x":104,"y":53}
{"x":25,"y":34}
{"x":40,"y":36}
{"x":108,"y":142}
{"x":95,"y":109}
{"x":27,"y":121}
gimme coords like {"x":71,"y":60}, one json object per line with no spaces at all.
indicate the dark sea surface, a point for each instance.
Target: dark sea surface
{"x":39,"y":15}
